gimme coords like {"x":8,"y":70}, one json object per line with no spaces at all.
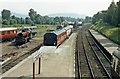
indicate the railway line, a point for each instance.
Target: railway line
{"x":90,"y":60}
{"x":11,"y":63}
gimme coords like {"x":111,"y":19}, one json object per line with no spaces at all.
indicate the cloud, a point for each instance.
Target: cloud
{"x":88,"y":7}
{"x":57,"y":0}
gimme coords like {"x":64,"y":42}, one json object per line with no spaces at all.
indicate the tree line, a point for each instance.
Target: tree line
{"x":33,"y":18}
{"x":110,"y":16}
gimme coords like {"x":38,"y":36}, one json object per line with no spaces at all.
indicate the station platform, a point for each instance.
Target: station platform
{"x":55,"y":62}
{"x":105,"y":42}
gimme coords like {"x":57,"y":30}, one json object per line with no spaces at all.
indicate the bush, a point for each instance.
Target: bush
{"x":13,"y":21}
{"x":118,"y":25}
{"x":6,"y":22}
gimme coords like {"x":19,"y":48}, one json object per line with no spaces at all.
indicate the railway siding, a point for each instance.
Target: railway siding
{"x":11,"y":63}
{"x":14,"y":55}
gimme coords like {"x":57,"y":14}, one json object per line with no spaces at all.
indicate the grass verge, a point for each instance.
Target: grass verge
{"x":113,"y":33}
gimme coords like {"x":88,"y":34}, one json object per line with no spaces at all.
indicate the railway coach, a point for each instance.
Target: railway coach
{"x":116,"y":61}
{"x":55,"y":38}
{"x":7,"y":34}
{"x":69,"y":30}
{"x":28,"y":31}
{"x":32,"y":30}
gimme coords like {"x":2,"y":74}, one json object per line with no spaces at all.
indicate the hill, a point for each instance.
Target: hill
{"x":19,"y":15}
{"x":72,"y":15}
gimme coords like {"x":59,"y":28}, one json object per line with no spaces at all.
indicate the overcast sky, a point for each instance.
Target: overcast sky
{"x":44,"y":7}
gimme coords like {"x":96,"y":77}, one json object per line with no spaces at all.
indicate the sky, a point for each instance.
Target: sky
{"x":44,"y":7}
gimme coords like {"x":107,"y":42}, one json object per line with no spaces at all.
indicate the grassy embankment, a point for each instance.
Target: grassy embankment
{"x":111,"y":32}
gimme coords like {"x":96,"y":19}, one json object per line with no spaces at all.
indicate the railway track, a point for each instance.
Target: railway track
{"x":90,"y":60}
{"x":11,"y":63}
{"x":101,"y":57}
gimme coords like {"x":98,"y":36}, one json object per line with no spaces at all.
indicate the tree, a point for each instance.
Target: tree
{"x":118,"y":9}
{"x":62,"y":19}
{"x":38,"y":19}
{"x":32,"y":14}
{"x":22,"y":21}
{"x":88,"y":19}
{"x":6,"y":14}
{"x":59,"y":20}
{"x":112,"y":14}
{"x":13,"y":17}
{"x":5,"y":22}
{"x":28,"y":20}
{"x":56,"y":19}
{"x":46,"y":19}
{"x":13,"y":21}
{"x":18,"y":20}
{"x":97,"y":17}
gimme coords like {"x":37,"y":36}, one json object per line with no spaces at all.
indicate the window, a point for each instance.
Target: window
{"x":2,"y":33}
{"x":15,"y":31}
{"x":8,"y":32}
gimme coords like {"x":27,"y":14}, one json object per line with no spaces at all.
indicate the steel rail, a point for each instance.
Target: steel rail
{"x":102,"y":65}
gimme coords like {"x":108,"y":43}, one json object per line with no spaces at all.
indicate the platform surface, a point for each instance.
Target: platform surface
{"x":58,"y":62}
{"x":105,"y":42}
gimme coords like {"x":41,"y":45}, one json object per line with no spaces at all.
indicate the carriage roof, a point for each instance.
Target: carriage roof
{"x":68,"y":27}
{"x":30,"y":27}
{"x":57,"y":32}
{"x":6,"y":29}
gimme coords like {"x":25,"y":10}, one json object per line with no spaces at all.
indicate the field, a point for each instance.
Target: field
{"x":109,"y":31}
{"x":40,"y":30}
{"x":43,"y":28}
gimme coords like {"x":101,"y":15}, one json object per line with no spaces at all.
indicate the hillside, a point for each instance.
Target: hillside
{"x":108,"y":31}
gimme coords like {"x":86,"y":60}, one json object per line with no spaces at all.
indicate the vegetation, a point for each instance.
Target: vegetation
{"x":107,"y":30}
{"x":108,"y":22}
{"x":34,"y":18}
{"x":110,"y":16}
{"x":6,"y":14}
{"x":87,"y":19}
{"x":43,"y":28}
{"x":7,"y":19}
